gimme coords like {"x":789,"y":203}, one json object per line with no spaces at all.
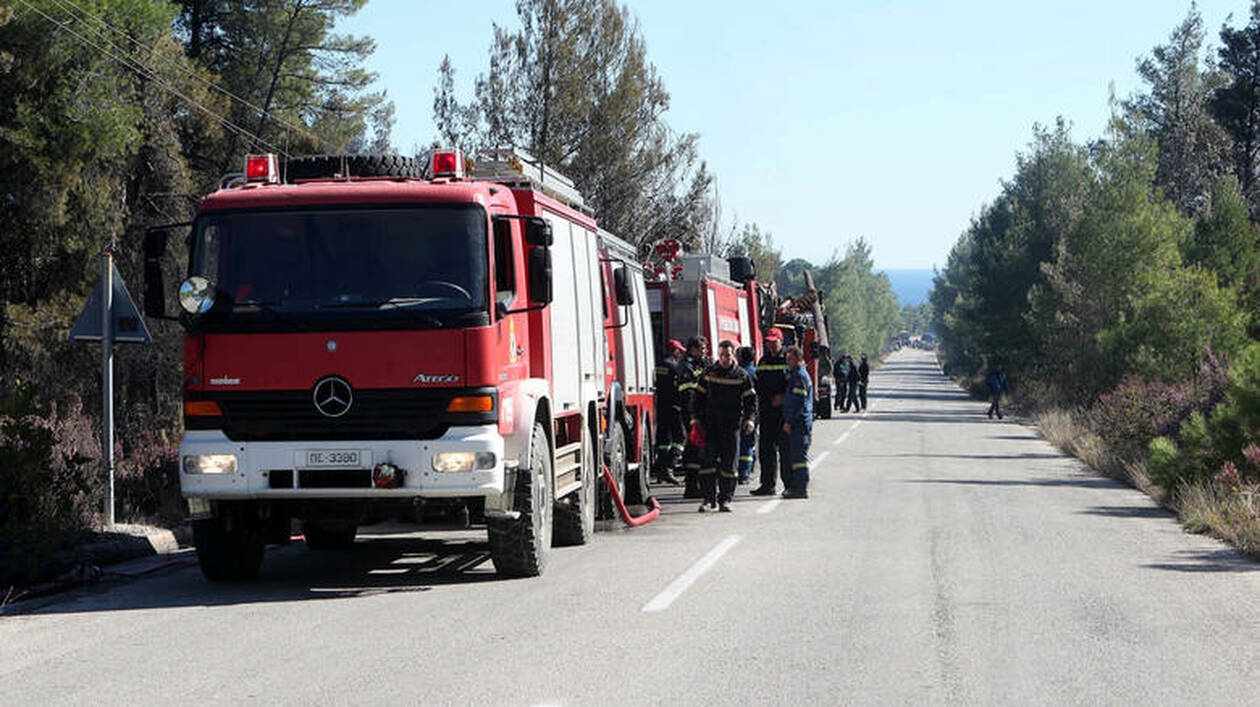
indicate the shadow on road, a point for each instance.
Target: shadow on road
{"x":373,"y":566}
{"x":1209,"y":561}
{"x":970,"y":415}
{"x":1129,"y":512}
{"x":1027,"y":455}
{"x":1081,"y":481}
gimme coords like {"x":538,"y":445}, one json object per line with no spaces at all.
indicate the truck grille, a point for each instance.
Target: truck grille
{"x":375,"y":414}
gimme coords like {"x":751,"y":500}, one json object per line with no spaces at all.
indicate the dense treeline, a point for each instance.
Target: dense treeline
{"x":1130,"y":262}
{"x":116,"y":115}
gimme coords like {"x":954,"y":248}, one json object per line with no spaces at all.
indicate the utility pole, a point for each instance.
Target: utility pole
{"x":107,"y":374}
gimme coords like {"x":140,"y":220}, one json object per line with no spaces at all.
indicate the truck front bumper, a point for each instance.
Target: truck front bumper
{"x":276,"y":470}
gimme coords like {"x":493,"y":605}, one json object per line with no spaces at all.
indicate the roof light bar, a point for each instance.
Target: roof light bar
{"x":262,"y":168}
{"x":446,"y":163}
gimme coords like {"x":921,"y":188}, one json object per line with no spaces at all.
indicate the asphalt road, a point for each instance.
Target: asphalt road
{"x":942,"y":558}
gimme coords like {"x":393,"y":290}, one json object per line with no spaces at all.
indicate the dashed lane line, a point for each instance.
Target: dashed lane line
{"x":769,"y":506}
{"x":676,"y":588}
{"x":843,"y":437}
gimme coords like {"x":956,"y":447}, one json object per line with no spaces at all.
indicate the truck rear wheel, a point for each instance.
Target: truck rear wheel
{"x":518,"y":546}
{"x":638,"y":483}
{"x":326,"y":536}
{"x":575,"y":515}
{"x":615,"y":457}
{"x":230,"y":545}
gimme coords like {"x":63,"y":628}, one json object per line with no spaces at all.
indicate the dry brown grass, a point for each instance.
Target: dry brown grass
{"x":1232,"y":515}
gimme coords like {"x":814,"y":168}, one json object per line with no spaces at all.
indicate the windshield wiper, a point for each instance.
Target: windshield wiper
{"x":403,"y":304}
{"x":267,"y":307}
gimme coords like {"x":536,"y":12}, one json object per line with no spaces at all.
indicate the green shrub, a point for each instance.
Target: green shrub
{"x":1224,"y":441}
{"x":50,"y":488}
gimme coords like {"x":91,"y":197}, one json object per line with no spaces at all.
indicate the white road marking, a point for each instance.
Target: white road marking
{"x":843,"y":437}
{"x":818,"y":461}
{"x":769,"y":506}
{"x":676,"y":588}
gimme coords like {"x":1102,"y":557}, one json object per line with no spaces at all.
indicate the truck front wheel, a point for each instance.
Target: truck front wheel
{"x":230,"y":545}
{"x":518,"y":546}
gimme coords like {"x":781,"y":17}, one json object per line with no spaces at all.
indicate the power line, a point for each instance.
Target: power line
{"x":182,"y":69}
{"x":146,"y":73}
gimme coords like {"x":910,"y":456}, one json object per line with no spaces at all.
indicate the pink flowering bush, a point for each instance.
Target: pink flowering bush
{"x":1222,"y":443}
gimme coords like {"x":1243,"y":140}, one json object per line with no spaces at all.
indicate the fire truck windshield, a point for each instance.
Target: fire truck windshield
{"x":423,"y":265}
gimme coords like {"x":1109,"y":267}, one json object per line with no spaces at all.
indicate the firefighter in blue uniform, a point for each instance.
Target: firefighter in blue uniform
{"x":798,"y":421}
{"x":671,"y":420}
{"x":725,"y":406}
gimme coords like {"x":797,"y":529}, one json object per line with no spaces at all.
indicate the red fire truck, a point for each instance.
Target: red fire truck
{"x":705,"y":295}
{"x":363,"y":339}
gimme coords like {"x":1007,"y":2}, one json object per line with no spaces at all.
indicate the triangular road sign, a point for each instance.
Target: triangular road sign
{"x":128,"y":325}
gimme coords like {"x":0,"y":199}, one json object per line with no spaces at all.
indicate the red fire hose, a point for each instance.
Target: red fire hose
{"x":621,"y":505}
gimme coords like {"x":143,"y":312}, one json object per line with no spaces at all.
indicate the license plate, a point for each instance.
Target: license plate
{"x":336,"y":459}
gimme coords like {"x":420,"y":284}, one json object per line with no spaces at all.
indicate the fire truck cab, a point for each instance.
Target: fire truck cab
{"x":363,"y":339}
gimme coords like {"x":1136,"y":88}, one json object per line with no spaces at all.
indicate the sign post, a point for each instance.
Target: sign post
{"x":109,"y":316}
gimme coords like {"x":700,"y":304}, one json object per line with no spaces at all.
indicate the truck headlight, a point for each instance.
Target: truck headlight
{"x":210,"y":464}
{"x":463,"y":461}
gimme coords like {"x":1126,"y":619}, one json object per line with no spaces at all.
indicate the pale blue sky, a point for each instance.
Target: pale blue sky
{"x":825,"y":121}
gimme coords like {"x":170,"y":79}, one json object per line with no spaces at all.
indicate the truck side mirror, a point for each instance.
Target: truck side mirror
{"x":154,"y":288}
{"x":621,"y":286}
{"x":540,"y":275}
{"x":538,"y":232}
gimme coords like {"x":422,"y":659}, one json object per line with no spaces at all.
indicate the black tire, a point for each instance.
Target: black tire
{"x":518,"y":546}
{"x":229,"y":546}
{"x":575,"y":513}
{"x":615,"y":458}
{"x":638,"y":488}
{"x":328,"y":536}
{"x":824,"y":408}
{"x":332,"y":166}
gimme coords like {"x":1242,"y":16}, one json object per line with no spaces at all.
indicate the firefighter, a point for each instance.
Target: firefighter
{"x":671,"y":422}
{"x":725,"y":405}
{"x":771,"y":383}
{"x":798,"y":422}
{"x":690,"y":370}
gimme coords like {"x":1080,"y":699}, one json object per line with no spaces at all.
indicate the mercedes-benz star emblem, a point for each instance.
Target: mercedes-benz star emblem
{"x":333,"y":396}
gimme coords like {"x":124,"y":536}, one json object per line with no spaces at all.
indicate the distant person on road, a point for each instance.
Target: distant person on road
{"x":997,"y":385}
{"x":671,"y":421}
{"x":840,"y":374}
{"x":747,"y":440}
{"x":771,"y":384}
{"x":725,"y":406}
{"x":798,"y":421}
{"x":692,"y":368}
{"x":854,"y":378}
{"x":864,"y":376}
